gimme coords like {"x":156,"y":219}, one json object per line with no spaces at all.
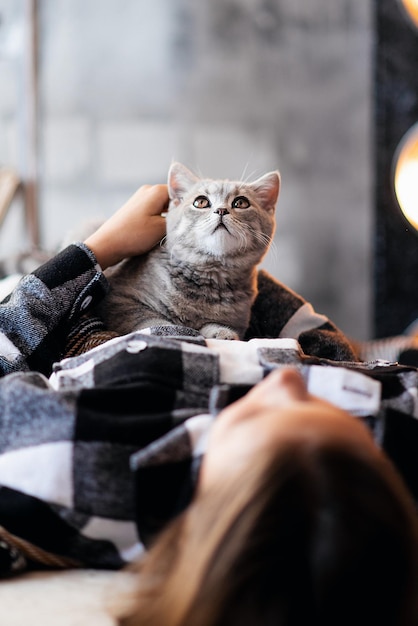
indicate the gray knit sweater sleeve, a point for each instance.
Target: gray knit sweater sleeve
{"x":35,"y":318}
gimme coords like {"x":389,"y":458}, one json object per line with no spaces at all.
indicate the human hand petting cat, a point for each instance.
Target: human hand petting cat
{"x":134,"y":229}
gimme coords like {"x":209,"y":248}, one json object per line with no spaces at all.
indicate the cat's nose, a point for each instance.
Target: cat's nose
{"x":221,"y":211}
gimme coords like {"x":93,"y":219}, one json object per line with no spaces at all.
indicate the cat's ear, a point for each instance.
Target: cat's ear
{"x":180,"y":179}
{"x":267,"y":189}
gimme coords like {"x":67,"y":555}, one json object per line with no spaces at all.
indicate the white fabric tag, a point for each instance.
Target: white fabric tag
{"x":350,"y":390}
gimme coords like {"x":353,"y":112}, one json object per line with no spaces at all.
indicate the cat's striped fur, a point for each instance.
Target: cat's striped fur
{"x":204,"y":273}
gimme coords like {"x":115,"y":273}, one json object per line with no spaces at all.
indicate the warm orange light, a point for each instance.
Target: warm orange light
{"x":406,"y":176}
{"x":411,"y":7}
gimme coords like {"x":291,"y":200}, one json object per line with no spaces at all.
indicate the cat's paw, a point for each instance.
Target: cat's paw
{"x":215,"y":331}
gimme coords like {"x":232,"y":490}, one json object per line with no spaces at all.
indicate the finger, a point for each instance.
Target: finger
{"x":158,"y":194}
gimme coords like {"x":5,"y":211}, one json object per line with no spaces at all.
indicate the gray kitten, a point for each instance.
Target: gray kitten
{"x":204,"y":273}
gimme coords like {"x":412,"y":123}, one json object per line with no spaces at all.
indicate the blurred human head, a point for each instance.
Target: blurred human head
{"x":309,"y":525}
{"x":276,"y":412}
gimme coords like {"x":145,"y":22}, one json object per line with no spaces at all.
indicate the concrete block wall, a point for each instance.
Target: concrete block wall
{"x":230,"y":87}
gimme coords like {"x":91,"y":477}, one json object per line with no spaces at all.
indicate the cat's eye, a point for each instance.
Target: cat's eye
{"x":240,"y":202}
{"x":202,"y":202}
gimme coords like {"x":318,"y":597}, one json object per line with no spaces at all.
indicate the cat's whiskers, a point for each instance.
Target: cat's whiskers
{"x":240,"y":231}
{"x":206,"y":225}
{"x":245,"y":178}
{"x":273,"y":252}
{"x":263,"y":238}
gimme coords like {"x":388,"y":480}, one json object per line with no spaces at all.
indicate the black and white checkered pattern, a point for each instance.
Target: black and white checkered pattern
{"x":95,"y":460}
{"x":96,"y":457}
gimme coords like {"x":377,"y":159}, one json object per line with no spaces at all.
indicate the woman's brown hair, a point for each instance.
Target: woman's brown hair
{"x":316,"y":535}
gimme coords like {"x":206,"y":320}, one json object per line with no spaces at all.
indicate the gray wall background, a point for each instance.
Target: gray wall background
{"x":229,"y":87}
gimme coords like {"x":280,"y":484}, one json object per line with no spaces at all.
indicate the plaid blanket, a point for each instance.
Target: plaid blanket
{"x":97,"y":458}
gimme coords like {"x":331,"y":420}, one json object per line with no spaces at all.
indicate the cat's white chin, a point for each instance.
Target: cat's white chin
{"x":221,"y":243}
